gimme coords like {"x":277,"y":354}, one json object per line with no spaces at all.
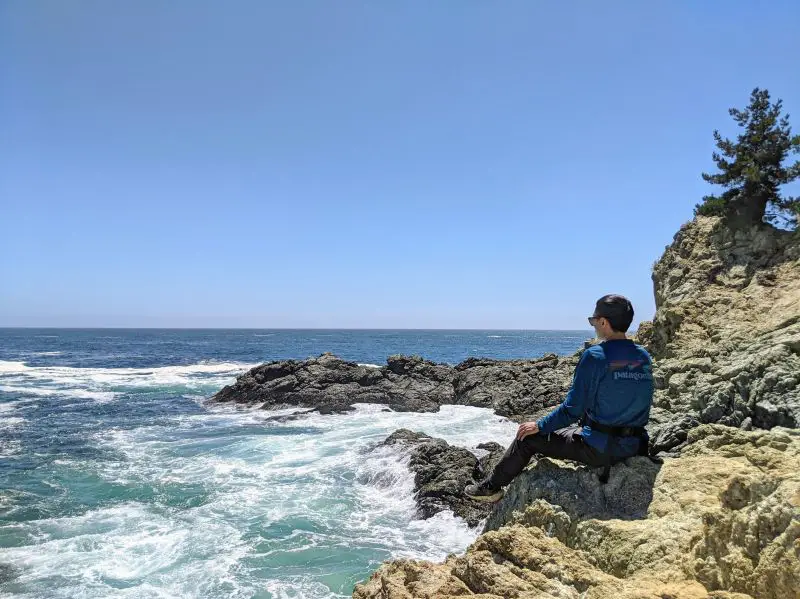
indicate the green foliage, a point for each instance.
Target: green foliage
{"x":711,"y":206}
{"x":751,"y":169}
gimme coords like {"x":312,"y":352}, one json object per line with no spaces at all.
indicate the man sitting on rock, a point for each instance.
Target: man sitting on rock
{"x":610,"y":397}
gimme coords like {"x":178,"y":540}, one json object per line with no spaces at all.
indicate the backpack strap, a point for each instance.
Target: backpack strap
{"x":614,"y":432}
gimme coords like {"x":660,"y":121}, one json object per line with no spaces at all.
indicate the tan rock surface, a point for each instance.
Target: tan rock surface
{"x":723,"y":521}
{"x":726,"y":334}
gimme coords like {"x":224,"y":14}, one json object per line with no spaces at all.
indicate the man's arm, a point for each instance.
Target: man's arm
{"x":584,"y":385}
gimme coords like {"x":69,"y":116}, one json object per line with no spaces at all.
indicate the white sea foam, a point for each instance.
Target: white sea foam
{"x":123,"y":546}
{"x":8,"y":448}
{"x":11,"y":422}
{"x":8,"y":406}
{"x":275,"y":505}
{"x":103,"y":384}
{"x":99,"y":396}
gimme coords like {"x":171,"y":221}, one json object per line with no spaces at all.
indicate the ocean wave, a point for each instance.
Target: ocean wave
{"x":99,"y":396}
{"x":8,"y":449}
{"x":124,"y":546}
{"x":65,"y":379}
{"x":11,"y":422}
{"x":230,"y":500}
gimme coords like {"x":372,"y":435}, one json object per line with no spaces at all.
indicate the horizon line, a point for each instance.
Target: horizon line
{"x":25,"y":327}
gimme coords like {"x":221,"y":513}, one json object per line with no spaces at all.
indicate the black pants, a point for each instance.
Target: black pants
{"x":565,"y":444}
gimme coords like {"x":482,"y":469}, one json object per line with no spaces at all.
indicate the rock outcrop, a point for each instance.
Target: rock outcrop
{"x":441,"y":471}
{"x":722,"y":520}
{"x":517,"y":389}
{"x":719,"y":518}
{"x":726,"y":333}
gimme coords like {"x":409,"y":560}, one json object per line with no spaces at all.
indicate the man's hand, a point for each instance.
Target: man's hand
{"x":525,"y":429}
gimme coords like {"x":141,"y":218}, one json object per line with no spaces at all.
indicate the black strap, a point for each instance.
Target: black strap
{"x":616,"y":431}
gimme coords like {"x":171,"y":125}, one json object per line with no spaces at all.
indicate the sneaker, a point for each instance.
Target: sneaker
{"x":482,"y":492}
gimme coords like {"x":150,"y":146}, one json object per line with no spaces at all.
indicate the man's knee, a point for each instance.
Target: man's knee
{"x":532,"y":443}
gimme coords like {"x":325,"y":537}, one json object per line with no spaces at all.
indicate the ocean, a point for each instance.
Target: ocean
{"x":117,"y":480}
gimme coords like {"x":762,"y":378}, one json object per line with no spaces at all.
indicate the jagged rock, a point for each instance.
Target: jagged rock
{"x":487,"y":462}
{"x":518,"y":389}
{"x":669,"y":432}
{"x":721,"y":521}
{"x":726,"y":334}
{"x":441,"y":471}
{"x":331,"y":384}
{"x":577,"y":490}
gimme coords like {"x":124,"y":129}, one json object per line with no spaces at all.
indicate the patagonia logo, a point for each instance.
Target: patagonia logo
{"x":631,"y":371}
{"x":632,"y":376}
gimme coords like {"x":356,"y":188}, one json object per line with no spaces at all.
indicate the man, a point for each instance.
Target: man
{"x":611,"y":395}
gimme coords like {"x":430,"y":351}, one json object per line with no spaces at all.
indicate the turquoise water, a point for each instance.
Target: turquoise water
{"x":116,"y":480}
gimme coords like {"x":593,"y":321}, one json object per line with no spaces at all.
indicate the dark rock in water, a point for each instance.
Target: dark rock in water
{"x":333,"y":385}
{"x":288,"y":417}
{"x":441,"y":471}
{"x":517,"y":389}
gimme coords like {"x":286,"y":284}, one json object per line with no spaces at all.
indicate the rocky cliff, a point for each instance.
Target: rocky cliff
{"x":721,"y":518}
{"x":726,"y":333}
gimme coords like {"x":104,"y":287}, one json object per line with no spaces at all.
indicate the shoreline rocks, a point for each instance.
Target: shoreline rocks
{"x":722,"y":520}
{"x":516,"y":389}
{"x":441,"y":471}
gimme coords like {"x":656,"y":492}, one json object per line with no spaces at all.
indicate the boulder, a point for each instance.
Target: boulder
{"x":441,"y":471}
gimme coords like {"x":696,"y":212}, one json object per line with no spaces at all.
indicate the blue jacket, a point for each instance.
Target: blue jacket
{"x":613,"y":384}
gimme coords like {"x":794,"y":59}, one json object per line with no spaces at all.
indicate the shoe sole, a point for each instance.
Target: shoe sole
{"x":488,"y":498}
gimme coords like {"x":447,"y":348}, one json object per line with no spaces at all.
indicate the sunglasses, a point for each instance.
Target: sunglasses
{"x":593,"y":319}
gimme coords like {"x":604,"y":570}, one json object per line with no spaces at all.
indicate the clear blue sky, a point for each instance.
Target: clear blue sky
{"x":453,"y":164}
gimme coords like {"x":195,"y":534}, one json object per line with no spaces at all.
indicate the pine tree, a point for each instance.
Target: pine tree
{"x":751,"y":169}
